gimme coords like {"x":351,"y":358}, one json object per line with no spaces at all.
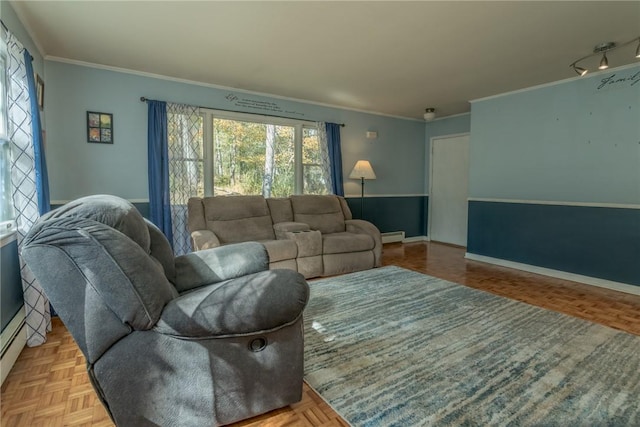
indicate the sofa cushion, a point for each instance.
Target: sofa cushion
{"x":239,"y":218}
{"x":280,"y":208}
{"x":322,"y":213}
{"x":338,"y":243}
{"x":280,"y":250}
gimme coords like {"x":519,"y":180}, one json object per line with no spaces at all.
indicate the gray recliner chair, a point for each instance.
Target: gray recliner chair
{"x":207,"y":338}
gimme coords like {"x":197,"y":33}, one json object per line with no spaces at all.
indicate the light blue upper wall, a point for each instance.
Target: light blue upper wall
{"x":441,"y":127}
{"x":574,"y":141}
{"x":78,"y":168}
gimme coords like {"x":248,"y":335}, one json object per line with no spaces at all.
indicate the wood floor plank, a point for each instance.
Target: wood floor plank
{"x":48,"y":385}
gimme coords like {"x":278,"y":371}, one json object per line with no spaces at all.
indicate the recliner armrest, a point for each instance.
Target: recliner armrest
{"x":215,"y":265}
{"x":256,"y":303}
{"x":204,"y":239}
{"x":362,"y":226}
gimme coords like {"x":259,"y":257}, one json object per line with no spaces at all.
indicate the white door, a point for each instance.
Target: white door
{"x":449,"y":189}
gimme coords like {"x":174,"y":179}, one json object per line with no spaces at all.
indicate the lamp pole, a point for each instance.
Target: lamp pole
{"x":362,"y":197}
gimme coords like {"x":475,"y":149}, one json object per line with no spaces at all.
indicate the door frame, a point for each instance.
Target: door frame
{"x":447,"y":136}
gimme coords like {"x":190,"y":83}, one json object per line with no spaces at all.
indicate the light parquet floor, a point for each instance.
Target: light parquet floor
{"x":48,"y":385}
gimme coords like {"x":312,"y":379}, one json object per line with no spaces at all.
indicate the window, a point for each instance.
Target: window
{"x":250,"y":154}
{"x":314,"y":181}
{"x":6,"y":204}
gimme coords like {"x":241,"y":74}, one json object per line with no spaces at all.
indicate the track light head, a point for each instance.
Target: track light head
{"x":581,"y":71}
{"x":604,"y":62}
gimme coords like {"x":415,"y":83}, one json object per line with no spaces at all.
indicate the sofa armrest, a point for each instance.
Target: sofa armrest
{"x":282,"y":228}
{"x":362,"y":226}
{"x":215,"y":265}
{"x":204,"y":239}
{"x":251,"y":304}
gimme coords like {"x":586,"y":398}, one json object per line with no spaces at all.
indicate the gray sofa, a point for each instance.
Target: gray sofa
{"x":204,"y":339}
{"x":314,"y":235}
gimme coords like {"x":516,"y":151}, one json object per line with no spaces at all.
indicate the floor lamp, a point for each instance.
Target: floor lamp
{"x":362,"y":170}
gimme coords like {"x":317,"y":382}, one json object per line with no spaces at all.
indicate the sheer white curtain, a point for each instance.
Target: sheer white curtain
{"x":186,"y":167}
{"x":325,"y":159}
{"x":23,"y":180}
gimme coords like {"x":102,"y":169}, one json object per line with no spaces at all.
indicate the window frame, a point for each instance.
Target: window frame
{"x":7,"y":226}
{"x":210,"y":114}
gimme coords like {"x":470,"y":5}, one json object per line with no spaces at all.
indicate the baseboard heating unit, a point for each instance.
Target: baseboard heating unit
{"x":12,"y":341}
{"x":392,"y":237}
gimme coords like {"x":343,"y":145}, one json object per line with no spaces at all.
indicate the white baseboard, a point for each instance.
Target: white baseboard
{"x":416,"y":239}
{"x":12,"y":341}
{"x":593,"y":281}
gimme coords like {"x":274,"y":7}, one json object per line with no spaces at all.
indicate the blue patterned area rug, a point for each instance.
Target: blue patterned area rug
{"x":392,"y":347}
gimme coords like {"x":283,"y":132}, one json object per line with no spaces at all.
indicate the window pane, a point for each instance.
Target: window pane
{"x":310,"y":146}
{"x":314,"y":181}
{"x":253,"y":158}
{"x":6,"y":203}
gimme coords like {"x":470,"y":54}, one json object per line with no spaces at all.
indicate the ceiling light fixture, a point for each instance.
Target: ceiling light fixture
{"x":429,"y":114}
{"x":580,"y":70}
{"x":603,"y":48}
{"x":604,"y":62}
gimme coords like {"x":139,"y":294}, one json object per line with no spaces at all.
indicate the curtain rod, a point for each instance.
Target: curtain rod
{"x":143,"y":99}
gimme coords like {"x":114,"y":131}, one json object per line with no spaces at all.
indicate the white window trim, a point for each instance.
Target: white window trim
{"x":8,"y":232}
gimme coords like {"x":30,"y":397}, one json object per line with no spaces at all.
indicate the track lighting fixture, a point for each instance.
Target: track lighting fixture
{"x":579,"y":70}
{"x":603,"y":48}
{"x":604,"y":62}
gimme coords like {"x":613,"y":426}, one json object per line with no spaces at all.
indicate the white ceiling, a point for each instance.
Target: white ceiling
{"x":391,"y":57}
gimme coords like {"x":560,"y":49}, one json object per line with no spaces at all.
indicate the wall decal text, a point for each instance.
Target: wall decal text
{"x":613,"y":80}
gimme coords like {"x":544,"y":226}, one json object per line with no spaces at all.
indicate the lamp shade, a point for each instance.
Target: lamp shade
{"x":362,"y":169}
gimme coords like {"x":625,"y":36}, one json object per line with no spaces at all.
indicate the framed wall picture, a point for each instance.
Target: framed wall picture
{"x":99,"y":127}
{"x":40,"y":92}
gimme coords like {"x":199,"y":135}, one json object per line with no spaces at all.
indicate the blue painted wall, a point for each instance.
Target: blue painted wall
{"x":11,"y":299}
{"x":591,"y":241}
{"x":408,"y":213}
{"x":575,"y":142}
{"x":77,"y":168}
